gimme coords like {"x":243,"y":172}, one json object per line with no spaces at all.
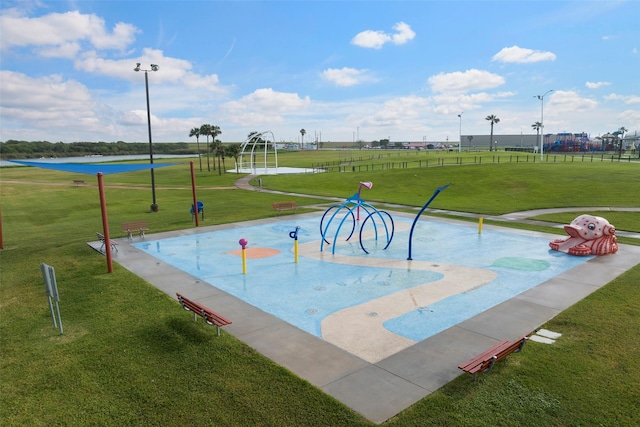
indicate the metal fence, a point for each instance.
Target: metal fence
{"x":377,"y":162}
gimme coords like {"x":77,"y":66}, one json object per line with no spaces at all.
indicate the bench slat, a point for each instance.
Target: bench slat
{"x":210,"y":317}
{"x":484,"y":361}
{"x":282,"y":206}
{"x":485,"y":355}
{"x":134,"y":227}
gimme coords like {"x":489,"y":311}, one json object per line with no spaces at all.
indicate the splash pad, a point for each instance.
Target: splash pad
{"x":366,"y":297}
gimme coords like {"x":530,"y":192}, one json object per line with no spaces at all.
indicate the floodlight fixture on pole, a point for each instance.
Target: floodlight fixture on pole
{"x":541,"y":98}
{"x":154,"y":67}
{"x":460,"y":141}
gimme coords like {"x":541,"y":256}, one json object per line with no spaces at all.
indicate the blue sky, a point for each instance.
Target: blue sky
{"x":341,"y":70}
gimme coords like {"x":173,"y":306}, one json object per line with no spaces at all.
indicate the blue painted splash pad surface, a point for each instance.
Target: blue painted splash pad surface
{"x":306,"y":292}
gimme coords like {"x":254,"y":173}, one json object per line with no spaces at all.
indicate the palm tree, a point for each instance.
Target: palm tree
{"x":537,"y":126}
{"x":206,"y":131}
{"x":214,"y":132}
{"x":218,"y":151}
{"x":196,"y":132}
{"x":223,"y":155}
{"x":492,"y":119}
{"x":234,"y":150}
{"x":302,"y":132}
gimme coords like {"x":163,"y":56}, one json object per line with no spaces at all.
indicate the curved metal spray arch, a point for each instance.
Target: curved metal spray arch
{"x":258,"y":140}
{"x":438,"y":190}
{"x":355,"y":203}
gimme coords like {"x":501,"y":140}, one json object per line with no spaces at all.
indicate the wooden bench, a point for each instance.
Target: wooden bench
{"x":114,"y":245}
{"x":134,"y":227}
{"x":485,"y":361}
{"x":285,"y":206}
{"x":79,"y":182}
{"x":210,"y":317}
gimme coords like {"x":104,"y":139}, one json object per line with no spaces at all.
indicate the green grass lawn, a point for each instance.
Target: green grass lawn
{"x":622,"y":220}
{"x":130,"y":356}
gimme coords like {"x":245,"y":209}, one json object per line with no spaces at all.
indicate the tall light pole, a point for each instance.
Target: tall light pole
{"x":541,"y":98}
{"x":154,"y":67}
{"x":460,"y":141}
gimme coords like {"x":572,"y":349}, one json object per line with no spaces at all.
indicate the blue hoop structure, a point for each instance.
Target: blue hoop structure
{"x":352,"y":204}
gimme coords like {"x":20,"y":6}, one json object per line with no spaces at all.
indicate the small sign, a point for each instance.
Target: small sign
{"x":51,"y":288}
{"x":49,"y":278}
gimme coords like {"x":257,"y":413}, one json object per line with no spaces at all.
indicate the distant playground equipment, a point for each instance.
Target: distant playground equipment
{"x":589,"y":235}
{"x":572,"y":142}
{"x":263,"y":143}
{"x":355,"y":203}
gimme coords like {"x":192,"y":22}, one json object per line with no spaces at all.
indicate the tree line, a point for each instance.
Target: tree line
{"x":13,"y":149}
{"x":216,"y":149}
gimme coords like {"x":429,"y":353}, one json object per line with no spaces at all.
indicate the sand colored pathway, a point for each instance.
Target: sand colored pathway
{"x":359,"y":329}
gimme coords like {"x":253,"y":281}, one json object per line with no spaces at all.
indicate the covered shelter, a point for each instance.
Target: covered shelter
{"x":99,"y":170}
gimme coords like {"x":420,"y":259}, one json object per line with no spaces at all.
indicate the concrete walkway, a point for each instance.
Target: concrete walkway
{"x":382,"y":389}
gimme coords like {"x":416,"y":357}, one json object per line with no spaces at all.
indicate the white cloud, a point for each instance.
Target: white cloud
{"x":570,"y":101}
{"x":521,"y":55}
{"x":371,"y":39}
{"x":67,"y":50}
{"x":398,"y":112}
{"x":263,"y":107}
{"x":596,"y":85}
{"x":452,"y":103}
{"x":172,"y":70}
{"x":376,"y":39}
{"x":467,"y":81}
{"x":346,"y":76}
{"x":50,"y":104}
{"x":631,"y":118}
{"x":404,"y":33}
{"x":627,"y":99}
{"x":62,"y":29}
{"x":614,"y":97}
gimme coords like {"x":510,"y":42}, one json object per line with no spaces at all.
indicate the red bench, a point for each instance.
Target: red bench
{"x":134,"y":227}
{"x":484,"y":361}
{"x":285,"y":206}
{"x":210,"y":317}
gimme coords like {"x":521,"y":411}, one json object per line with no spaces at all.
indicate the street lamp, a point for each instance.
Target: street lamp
{"x":541,"y":98}
{"x":154,"y":67}
{"x":460,"y":142}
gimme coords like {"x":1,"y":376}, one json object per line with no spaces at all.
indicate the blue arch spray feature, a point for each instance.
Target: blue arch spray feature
{"x":435,"y":194}
{"x":350,"y":214}
{"x":351,"y":207}
{"x":375,"y":227}
{"x":323,"y":231}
